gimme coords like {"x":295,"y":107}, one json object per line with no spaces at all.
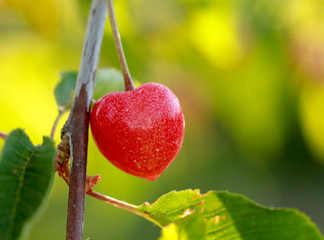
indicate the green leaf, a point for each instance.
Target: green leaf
{"x":191,"y":227}
{"x":26,"y":173}
{"x":64,"y":89}
{"x":189,"y":215}
{"x":108,"y":80}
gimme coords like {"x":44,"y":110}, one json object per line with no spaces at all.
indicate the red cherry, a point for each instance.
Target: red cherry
{"x":139,"y":131}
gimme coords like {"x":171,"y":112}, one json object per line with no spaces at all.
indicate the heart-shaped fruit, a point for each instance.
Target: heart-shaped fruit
{"x":139,"y":131}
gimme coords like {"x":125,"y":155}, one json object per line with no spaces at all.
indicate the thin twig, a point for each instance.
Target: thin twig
{"x":3,"y":135}
{"x":76,"y":127}
{"x":92,"y":181}
{"x":120,"y":204}
{"x":57,"y":120}
{"x":129,"y":85}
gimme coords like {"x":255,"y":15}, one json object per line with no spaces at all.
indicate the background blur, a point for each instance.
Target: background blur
{"x":248,"y":73}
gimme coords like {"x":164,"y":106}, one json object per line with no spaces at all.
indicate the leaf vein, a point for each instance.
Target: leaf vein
{"x":17,"y":198}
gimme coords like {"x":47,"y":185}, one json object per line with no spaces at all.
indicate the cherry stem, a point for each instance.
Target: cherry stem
{"x":3,"y":135}
{"x":129,"y":85}
{"x":57,"y":120}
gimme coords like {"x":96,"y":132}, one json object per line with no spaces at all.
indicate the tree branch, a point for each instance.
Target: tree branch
{"x":123,"y":205}
{"x":76,"y":127}
{"x":3,"y":135}
{"x":57,"y":120}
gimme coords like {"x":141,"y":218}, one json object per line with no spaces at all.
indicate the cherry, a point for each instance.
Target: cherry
{"x":139,"y":131}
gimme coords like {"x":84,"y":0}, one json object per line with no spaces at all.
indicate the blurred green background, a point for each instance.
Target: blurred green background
{"x":248,"y":73}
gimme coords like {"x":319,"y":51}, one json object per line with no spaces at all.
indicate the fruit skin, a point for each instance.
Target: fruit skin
{"x":139,"y":131}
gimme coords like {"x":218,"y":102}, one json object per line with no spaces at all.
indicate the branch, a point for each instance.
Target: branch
{"x":57,"y":120}
{"x":123,"y":205}
{"x":76,"y":127}
{"x":3,"y":135}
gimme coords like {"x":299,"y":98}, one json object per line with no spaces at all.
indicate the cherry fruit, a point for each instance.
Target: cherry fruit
{"x":139,"y":131}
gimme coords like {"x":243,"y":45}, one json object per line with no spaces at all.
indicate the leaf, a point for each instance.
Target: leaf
{"x":26,"y":173}
{"x":64,"y":89}
{"x":189,"y":215}
{"x":191,"y":227}
{"x":108,"y":80}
